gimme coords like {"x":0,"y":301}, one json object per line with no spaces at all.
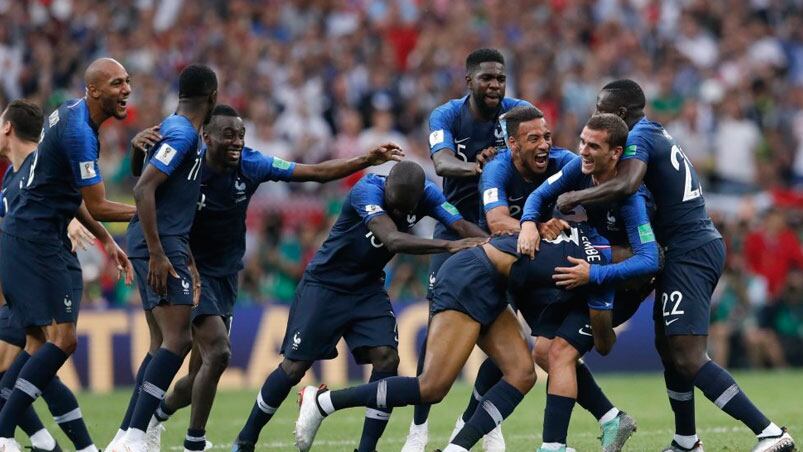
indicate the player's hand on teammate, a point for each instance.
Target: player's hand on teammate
{"x":385,"y":153}
{"x":462,"y":244}
{"x":120,"y":259}
{"x":529,"y":239}
{"x":566,"y":202}
{"x":145,"y":139}
{"x":573,"y":277}
{"x":552,"y":228}
{"x":485,"y":156}
{"x":159,"y":269}
{"x":79,"y":236}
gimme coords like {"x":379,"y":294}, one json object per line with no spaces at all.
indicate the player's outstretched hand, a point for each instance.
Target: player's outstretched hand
{"x":462,"y":244}
{"x":529,"y":239}
{"x":385,"y":153}
{"x":159,"y":269}
{"x":146,"y":138}
{"x":572,"y":277}
{"x":566,"y":202}
{"x":79,"y":236}
{"x":486,"y":155}
{"x":552,"y":228}
{"x":120,"y":259}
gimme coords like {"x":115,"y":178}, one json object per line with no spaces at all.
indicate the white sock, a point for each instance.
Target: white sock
{"x":118,"y":436}
{"x":455,"y":448}
{"x":424,"y":426}
{"x":134,"y":435}
{"x":43,"y":440}
{"x":325,"y":402}
{"x":687,"y":441}
{"x":91,"y":448}
{"x":609,"y":416}
{"x":771,"y":430}
{"x":552,"y":446}
{"x":153,"y":422}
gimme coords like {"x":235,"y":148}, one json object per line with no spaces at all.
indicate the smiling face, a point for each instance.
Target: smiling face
{"x":112,"y":88}
{"x":224,"y":137}
{"x":599,"y":158}
{"x":530,"y":147}
{"x":487,"y":85}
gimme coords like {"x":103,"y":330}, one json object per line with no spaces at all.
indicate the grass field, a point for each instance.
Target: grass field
{"x":779,"y":394}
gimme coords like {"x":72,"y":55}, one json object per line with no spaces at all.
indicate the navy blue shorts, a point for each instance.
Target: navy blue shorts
{"x":320,"y":316}
{"x":10,"y":330}
{"x":37,"y":281}
{"x":468,"y":282}
{"x":436,"y":260}
{"x":218,"y":294}
{"x":683,"y":290}
{"x":179,"y":290}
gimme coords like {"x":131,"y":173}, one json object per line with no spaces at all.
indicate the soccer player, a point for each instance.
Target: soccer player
{"x":342,"y":294}
{"x":464,"y":135}
{"x":37,"y":283}
{"x":695,"y":256}
{"x":626,"y":224}
{"x":158,"y":239}
{"x":230,"y":175}
{"x":470,"y":307}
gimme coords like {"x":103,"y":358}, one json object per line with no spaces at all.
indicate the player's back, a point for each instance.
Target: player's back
{"x":12,"y":185}
{"x":65,"y":160}
{"x":681,"y":222}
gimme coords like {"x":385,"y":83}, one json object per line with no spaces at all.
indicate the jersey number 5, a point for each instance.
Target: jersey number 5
{"x":675,"y":157}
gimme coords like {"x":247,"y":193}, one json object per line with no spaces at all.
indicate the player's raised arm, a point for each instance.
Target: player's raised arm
{"x":340,"y":168}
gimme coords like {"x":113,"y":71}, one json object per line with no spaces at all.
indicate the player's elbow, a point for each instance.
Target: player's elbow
{"x":627,"y":187}
{"x":440,"y":167}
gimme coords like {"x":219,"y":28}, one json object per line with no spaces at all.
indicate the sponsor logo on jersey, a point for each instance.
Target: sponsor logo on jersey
{"x":436,"y":137}
{"x":88,"y":170}
{"x":490,"y":195}
{"x":165,"y":154}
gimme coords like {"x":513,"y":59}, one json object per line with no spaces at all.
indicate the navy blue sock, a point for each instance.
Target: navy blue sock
{"x":64,"y":407}
{"x":34,"y":376}
{"x":162,"y":369}
{"x":272,"y":394}
{"x":487,"y":376}
{"x":421,"y":410}
{"x":720,"y":387}
{"x":195,"y":439}
{"x":557,"y":414}
{"x":589,"y":394}
{"x":681,"y":399}
{"x":497,"y":404}
{"x":375,"y":419}
{"x":132,"y":403}
{"x":29,"y":422}
{"x":388,"y":393}
{"x":163,"y":413}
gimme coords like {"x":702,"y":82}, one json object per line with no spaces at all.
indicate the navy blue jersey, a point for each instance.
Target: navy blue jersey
{"x":530,"y":278}
{"x":179,"y":155}
{"x":65,"y":161}
{"x":353,"y":259}
{"x":625,"y":222}
{"x":681,"y":222}
{"x":453,"y":126}
{"x":13,"y":181}
{"x":501,"y":184}
{"x":217,"y":238}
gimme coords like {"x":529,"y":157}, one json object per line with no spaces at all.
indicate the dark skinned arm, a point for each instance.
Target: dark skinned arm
{"x":159,"y":266}
{"x":602,"y":330}
{"x":116,"y":254}
{"x":629,"y":176}
{"x":140,"y":144}
{"x":467,"y":229}
{"x":500,"y":222}
{"x":101,"y":208}
{"x":340,"y":168}
{"x":396,"y":241}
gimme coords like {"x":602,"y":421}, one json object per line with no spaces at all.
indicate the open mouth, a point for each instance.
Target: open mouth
{"x":233,"y":155}
{"x":541,"y":159}
{"x":122,"y":103}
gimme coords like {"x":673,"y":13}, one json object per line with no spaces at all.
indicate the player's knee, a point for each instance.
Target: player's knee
{"x":562,"y":354}
{"x":687,"y":364}
{"x":541,"y":356}
{"x":295,"y":370}
{"x":66,"y":340}
{"x":522,"y":378}
{"x":219,"y":356}
{"x":385,"y":359}
{"x":179,"y":343}
{"x":433,"y":387}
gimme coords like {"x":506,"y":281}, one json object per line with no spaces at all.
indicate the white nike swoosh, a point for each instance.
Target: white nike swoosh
{"x":670,"y":322}
{"x":462,"y":140}
{"x":586,"y":334}
{"x":511,"y":199}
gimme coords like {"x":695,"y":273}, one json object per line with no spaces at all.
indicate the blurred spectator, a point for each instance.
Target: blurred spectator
{"x":787,"y":318}
{"x":736,"y":141}
{"x":772,"y":250}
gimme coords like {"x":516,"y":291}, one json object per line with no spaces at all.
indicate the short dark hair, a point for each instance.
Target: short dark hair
{"x":614,"y":125}
{"x":517,"y":115}
{"x":479,"y":56}
{"x":26,"y":117}
{"x":405,"y":182}
{"x":225,"y":110}
{"x":196,"y":80}
{"x":627,"y":93}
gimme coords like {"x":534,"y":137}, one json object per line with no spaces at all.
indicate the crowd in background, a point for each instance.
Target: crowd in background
{"x":318,"y":79}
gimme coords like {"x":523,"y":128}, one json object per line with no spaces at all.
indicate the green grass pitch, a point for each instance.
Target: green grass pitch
{"x":779,"y":394}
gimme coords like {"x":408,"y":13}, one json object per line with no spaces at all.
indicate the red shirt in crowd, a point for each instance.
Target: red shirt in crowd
{"x":773,"y":257}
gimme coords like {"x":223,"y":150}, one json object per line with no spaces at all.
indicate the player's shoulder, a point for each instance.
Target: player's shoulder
{"x":177,"y":126}
{"x":449,"y":108}
{"x":559,"y":153}
{"x":512,"y":102}
{"x":73,"y":117}
{"x":370,"y":181}
{"x":8,"y":175}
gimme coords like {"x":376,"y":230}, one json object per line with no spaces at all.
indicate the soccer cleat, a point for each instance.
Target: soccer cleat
{"x":242,"y":446}
{"x":455,"y":448}
{"x":675,"y":447}
{"x":130,"y":446}
{"x":458,"y":425}
{"x":309,"y":417}
{"x":562,"y":449}
{"x":55,"y":448}
{"x":9,"y":445}
{"x":493,"y":441}
{"x":153,"y":437}
{"x":417,"y":438}
{"x":779,"y":443}
{"x":616,"y":432}
{"x":208,"y":445}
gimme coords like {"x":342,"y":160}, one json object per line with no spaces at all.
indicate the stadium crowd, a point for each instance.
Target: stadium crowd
{"x":320,"y":79}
